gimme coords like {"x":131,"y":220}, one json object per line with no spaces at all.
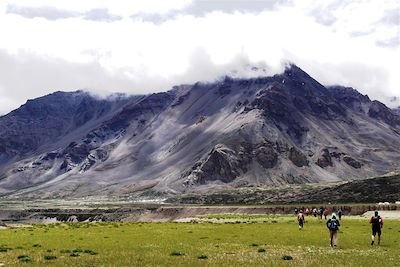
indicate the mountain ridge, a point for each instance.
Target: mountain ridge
{"x":286,"y":128}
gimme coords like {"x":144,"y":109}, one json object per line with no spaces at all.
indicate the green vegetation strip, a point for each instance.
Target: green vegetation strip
{"x":200,"y":244}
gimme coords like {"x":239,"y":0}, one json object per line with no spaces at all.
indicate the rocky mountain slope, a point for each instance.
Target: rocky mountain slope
{"x":287,"y":128}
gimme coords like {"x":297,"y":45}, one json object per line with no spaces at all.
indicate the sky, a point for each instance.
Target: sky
{"x":139,"y":47}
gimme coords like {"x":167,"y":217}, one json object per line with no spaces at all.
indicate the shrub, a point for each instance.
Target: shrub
{"x":287,"y":257}
{"x":177,"y":253}
{"x":202,"y":257}
{"x":36,"y":245}
{"x":74,"y":254}
{"x":24,"y":258}
{"x":89,"y":251}
{"x":261,"y":250}
{"x":4,"y":248}
{"x":49,"y":257}
{"x":254,"y":245}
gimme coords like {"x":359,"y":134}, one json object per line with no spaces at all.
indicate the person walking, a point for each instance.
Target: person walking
{"x":340,"y":214}
{"x":321,"y":210}
{"x":376,"y":222}
{"x":301,"y":219}
{"x":326,"y":212}
{"x":333,"y":225}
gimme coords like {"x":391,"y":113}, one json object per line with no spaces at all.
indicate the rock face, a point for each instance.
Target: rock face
{"x":352,"y":162}
{"x":325,"y":159}
{"x":297,"y":157}
{"x":287,"y":128}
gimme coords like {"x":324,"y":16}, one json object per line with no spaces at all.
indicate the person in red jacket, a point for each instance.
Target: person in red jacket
{"x":326,"y":212}
{"x":376,"y":222}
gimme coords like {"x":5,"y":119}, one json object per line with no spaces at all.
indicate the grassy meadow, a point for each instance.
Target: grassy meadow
{"x":230,"y":240}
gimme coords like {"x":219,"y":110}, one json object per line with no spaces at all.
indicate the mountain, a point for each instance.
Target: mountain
{"x":283,"y":129}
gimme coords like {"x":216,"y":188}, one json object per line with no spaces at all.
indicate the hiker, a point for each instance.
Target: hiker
{"x":326,"y":211}
{"x":340,"y":214}
{"x":321,"y":210}
{"x":296,"y":211}
{"x":333,"y":226}
{"x":307,"y":211}
{"x":314,"y":212}
{"x":377,"y":224}
{"x":301,"y":219}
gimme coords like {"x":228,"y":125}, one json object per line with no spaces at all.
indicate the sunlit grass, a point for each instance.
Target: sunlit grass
{"x":258,"y":243}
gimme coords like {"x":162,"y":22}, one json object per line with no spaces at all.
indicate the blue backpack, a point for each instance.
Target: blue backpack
{"x":333,"y":225}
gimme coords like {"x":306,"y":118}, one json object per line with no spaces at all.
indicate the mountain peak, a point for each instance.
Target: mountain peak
{"x":287,"y":128}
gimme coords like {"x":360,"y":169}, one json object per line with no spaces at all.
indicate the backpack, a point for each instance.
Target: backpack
{"x":376,"y":221}
{"x":333,"y":225}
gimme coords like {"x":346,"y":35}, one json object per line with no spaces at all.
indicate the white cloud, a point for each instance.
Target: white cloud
{"x":337,"y":42}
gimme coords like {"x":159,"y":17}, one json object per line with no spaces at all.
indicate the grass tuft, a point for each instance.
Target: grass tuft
{"x":177,"y":253}
{"x":287,"y":257}
{"x":24,"y":258}
{"x":90,"y":252}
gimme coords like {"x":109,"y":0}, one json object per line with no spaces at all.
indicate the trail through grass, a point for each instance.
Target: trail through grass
{"x":265,"y":241}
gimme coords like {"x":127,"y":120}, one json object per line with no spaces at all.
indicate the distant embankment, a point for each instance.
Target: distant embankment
{"x":168,"y":213}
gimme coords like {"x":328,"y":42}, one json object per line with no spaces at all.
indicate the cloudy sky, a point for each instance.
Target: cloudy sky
{"x":147,"y":46}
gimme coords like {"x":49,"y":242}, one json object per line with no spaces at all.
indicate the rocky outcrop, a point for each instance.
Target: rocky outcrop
{"x":297,"y":158}
{"x":379,"y":111}
{"x":325,"y":159}
{"x":222,"y":164}
{"x":266,"y":156}
{"x":352,"y":162}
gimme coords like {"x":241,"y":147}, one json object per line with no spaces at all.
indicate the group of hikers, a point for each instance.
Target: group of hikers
{"x":333,"y":223}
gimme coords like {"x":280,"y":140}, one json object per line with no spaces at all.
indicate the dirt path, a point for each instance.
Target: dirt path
{"x":385,"y":214}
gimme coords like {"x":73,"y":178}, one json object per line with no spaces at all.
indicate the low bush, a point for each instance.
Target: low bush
{"x":49,"y":257}
{"x":177,"y":253}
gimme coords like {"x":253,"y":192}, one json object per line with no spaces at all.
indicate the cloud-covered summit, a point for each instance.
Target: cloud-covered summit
{"x":132,"y":47}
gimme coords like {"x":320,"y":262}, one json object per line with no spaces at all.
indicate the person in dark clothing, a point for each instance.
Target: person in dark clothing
{"x":321,"y":211}
{"x":340,"y":214}
{"x":333,"y":226}
{"x":376,"y":222}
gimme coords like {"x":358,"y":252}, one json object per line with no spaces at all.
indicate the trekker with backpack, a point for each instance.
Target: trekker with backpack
{"x":377,"y":224}
{"x":326,"y":212}
{"x":301,"y":219}
{"x":333,"y":226}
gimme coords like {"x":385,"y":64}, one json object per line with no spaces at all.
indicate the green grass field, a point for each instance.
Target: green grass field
{"x":259,"y":240}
